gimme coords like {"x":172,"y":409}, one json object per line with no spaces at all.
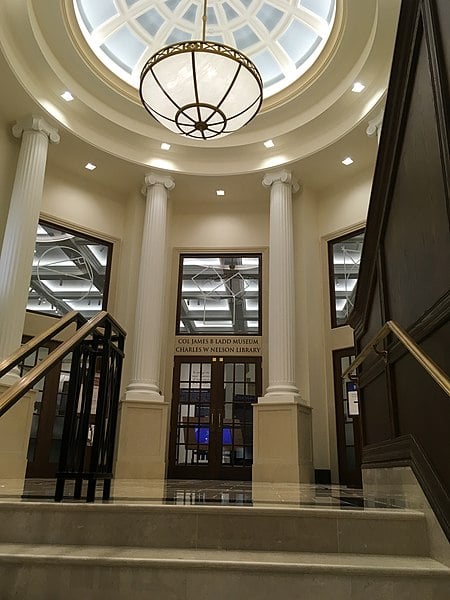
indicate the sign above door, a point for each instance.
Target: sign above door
{"x":218,"y":345}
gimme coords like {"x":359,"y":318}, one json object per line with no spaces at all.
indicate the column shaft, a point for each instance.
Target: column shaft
{"x":151,"y":288}
{"x":16,"y":259}
{"x":281,"y":286}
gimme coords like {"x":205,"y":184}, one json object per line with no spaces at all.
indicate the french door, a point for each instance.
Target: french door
{"x":212,"y":417}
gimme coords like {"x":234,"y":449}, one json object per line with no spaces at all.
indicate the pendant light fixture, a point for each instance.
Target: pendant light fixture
{"x":200,"y":89}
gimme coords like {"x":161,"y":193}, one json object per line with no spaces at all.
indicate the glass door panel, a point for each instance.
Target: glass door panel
{"x":193,"y":414}
{"x":212,"y":417}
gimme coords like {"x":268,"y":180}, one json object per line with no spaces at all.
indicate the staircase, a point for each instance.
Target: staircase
{"x":162,"y":552}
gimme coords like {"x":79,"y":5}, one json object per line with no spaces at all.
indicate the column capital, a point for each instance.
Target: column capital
{"x":152,"y":179}
{"x":38,"y":124}
{"x":282,"y":176}
{"x":375,"y":125}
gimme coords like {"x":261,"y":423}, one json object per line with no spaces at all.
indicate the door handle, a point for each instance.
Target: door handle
{"x":220,"y":420}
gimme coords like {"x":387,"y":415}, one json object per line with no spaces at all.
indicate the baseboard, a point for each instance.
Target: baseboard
{"x":322,"y":476}
{"x":405,"y":451}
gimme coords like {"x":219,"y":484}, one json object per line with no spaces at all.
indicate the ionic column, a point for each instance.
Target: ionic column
{"x":151,"y":286}
{"x":141,"y":452}
{"x":16,"y":258}
{"x":281,"y":288}
{"x":375,"y":125}
{"x":282,"y":450}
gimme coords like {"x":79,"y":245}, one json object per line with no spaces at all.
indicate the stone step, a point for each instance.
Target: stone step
{"x":53,"y":572}
{"x":371,"y":531}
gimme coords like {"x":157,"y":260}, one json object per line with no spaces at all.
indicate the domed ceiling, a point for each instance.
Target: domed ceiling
{"x":282,"y":38}
{"x":309,"y":52}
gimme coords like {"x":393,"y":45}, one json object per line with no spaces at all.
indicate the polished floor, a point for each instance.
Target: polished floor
{"x":209,"y":492}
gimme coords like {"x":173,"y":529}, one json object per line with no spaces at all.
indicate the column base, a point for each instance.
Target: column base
{"x":282,"y":441}
{"x":15,"y":426}
{"x":143,"y":424}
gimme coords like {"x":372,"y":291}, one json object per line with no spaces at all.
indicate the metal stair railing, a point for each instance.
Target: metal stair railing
{"x":439,"y":376}
{"x":97,"y":346}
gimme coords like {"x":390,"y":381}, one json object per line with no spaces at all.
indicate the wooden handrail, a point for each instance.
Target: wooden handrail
{"x":16,"y":391}
{"x":422,"y":358}
{"x":8,"y":363}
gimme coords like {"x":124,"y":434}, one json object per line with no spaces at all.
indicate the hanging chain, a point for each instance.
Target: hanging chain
{"x":204,"y":21}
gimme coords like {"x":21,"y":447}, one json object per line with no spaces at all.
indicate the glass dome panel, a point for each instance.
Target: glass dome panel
{"x":191,"y":13}
{"x":96,"y":13}
{"x":229,"y":11}
{"x":297,"y":40}
{"x":125,"y":44}
{"x":244,"y":37}
{"x":323,"y":8}
{"x":282,"y":37}
{"x":269,"y":16}
{"x":151,"y":21}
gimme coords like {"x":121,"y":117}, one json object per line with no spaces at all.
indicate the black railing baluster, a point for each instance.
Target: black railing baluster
{"x":105,"y":346}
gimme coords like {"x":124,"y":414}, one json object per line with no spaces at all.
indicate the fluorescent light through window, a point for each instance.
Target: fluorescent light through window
{"x":220,"y":192}
{"x":90,"y":166}
{"x":347,"y":161}
{"x":165,"y":146}
{"x":269,"y":144}
{"x":358,"y":87}
{"x":67,"y":96}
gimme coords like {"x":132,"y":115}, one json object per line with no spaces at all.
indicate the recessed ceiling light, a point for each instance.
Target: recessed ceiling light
{"x":347,"y":161}
{"x":269,"y":144}
{"x":358,"y":87}
{"x":165,"y":146}
{"x":90,"y":166}
{"x":67,"y":96}
{"x":220,"y":192}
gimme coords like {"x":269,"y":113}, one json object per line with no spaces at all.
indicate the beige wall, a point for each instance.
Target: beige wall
{"x":341,"y":209}
{"x":225,"y":225}
{"x":309,"y":321}
{"x":220,"y":226}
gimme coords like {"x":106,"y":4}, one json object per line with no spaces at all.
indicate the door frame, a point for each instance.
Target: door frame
{"x":347,"y":476}
{"x":214,"y":469}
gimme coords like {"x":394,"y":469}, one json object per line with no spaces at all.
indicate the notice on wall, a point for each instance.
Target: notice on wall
{"x":218,"y":345}
{"x":353,"y":400}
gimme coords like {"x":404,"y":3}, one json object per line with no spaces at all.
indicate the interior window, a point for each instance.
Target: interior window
{"x":219,"y":294}
{"x":344,"y":255}
{"x":70,"y":272}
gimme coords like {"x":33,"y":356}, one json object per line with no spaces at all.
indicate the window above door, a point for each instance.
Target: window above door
{"x":219,"y":294}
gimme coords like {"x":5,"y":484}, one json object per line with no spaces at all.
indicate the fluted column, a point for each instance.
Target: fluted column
{"x":150,"y":300}
{"x":282,"y":425}
{"x":144,"y":415}
{"x":16,"y":258}
{"x":281,"y":287}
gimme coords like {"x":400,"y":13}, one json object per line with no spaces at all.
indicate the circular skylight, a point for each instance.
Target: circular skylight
{"x":282,"y":37}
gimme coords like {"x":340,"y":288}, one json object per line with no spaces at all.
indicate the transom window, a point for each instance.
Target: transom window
{"x":344,"y":255}
{"x":70,"y":272}
{"x":219,"y":294}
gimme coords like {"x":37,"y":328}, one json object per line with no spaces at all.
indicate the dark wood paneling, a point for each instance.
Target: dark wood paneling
{"x":375,"y":411}
{"x":414,"y":253}
{"x":405,"y":267}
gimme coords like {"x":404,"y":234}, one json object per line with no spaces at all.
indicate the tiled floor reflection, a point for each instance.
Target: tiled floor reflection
{"x":210,"y":492}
